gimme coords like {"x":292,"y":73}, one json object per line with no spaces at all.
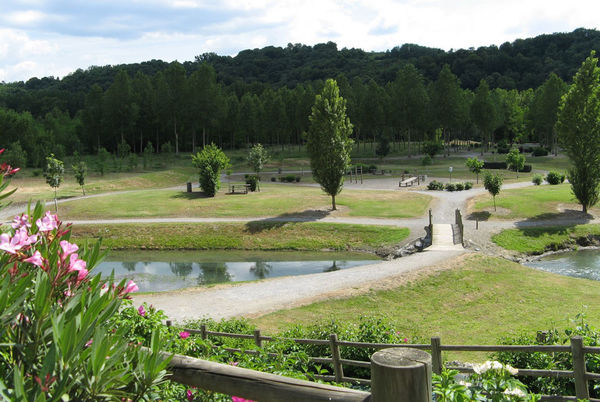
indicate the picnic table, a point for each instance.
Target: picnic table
{"x":408,"y":182}
{"x":239,"y":188}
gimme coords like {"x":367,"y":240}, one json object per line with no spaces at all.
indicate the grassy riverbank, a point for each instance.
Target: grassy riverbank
{"x":257,"y":235}
{"x":478,"y":300}
{"x":539,"y":240}
{"x":273,"y":200}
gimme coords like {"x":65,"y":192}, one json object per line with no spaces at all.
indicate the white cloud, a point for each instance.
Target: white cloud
{"x":139,"y":30}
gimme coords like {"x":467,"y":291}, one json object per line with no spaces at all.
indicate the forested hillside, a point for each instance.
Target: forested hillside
{"x":264,"y":95}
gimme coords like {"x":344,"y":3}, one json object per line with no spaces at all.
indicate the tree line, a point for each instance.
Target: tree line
{"x":188,"y":105}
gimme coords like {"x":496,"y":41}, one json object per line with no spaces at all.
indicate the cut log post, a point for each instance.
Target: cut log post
{"x":579,"y":370}
{"x":401,"y":374}
{"x":189,"y":187}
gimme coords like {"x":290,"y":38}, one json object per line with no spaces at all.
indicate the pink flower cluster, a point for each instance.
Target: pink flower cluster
{"x":27,"y":240}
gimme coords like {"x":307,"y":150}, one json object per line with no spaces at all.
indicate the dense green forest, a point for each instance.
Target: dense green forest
{"x":409,"y":93}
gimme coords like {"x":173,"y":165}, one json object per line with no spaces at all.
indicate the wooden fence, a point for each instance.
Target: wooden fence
{"x":459,"y":223}
{"x":576,"y":349}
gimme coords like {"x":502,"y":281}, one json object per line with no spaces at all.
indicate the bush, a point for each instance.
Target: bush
{"x":503,"y":150}
{"x":290,"y":178}
{"x":297,"y":179}
{"x":460,"y":186}
{"x":15,"y":155}
{"x":273,"y":178}
{"x":494,"y":165}
{"x":537,"y":179}
{"x":539,"y":151}
{"x":426,"y":161}
{"x":209,"y":162}
{"x":431,"y":148}
{"x":468,"y":185}
{"x":435,"y":185}
{"x":555,"y":178}
{"x":450,"y":187}
{"x":252,"y":181}
{"x":526,"y":169}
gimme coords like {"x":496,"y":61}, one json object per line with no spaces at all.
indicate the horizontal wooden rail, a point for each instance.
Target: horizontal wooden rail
{"x":575,"y":349}
{"x":255,"y":385}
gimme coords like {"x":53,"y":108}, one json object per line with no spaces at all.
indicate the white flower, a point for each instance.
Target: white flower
{"x":464,"y":383}
{"x":511,"y":369}
{"x":514,"y":391}
{"x":482,"y":368}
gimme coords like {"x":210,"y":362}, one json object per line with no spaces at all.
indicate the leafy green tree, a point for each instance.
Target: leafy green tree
{"x":483,"y":113}
{"x":257,"y":157}
{"x":54,"y":172}
{"x":446,"y":99}
{"x":546,"y":104}
{"x":328,"y":140}
{"x":123,"y":150}
{"x":492,"y":183}
{"x":475,"y":166}
{"x":578,"y":127}
{"x":102,"y":160}
{"x":210,"y":161}
{"x":383,"y":145}
{"x":15,"y":155}
{"x":147,"y":155}
{"x":80,"y":173}
{"x":515,"y":160}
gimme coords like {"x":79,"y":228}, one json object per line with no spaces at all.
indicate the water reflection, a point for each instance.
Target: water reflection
{"x":153,"y":276}
{"x":213,"y":272}
{"x":580,"y":264}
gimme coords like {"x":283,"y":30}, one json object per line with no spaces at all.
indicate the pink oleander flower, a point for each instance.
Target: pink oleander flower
{"x":7,"y":170}
{"x":75,"y":264}
{"x":89,"y":343}
{"x":21,"y":221}
{"x":20,"y":239}
{"x":2,"y":151}
{"x":189,"y":395}
{"x":35,"y":259}
{"x":405,"y":340}
{"x":141,"y":311}
{"x":68,"y":249}
{"x":130,"y":287}
{"x":239,"y":399}
{"x":184,"y":334}
{"x":47,"y":223}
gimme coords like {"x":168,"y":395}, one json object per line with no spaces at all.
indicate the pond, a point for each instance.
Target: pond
{"x":580,"y":264}
{"x":156,"y":271}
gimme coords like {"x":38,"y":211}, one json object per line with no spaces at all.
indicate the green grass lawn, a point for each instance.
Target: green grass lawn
{"x":538,"y":240}
{"x":35,"y":188}
{"x":273,"y":200}
{"x":479,"y":301}
{"x":244,"y":236}
{"x":536,"y":202}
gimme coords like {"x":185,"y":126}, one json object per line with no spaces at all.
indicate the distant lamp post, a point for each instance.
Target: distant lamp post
{"x":450,"y":171}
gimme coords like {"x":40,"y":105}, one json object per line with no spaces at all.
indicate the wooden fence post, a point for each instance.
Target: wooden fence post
{"x":436,"y":354}
{"x":257,"y":339}
{"x":401,"y":374}
{"x":430,"y":223}
{"x":338,"y":370}
{"x":203,"y":331}
{"x":579,"y":370}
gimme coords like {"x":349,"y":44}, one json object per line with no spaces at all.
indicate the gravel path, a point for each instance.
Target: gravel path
{"x":257,"y":298}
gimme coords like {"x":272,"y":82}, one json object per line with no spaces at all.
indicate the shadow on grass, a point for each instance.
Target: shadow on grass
{"x":308,"y":215}
{"x":190,"y":196}
{"x":479,"y":216}
{"x":567,"y":218}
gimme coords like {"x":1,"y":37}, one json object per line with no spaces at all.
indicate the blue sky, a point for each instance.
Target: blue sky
{"x":55,"y":37}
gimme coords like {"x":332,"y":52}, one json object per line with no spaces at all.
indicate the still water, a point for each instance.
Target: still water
{"x":580,"y":264}
{"x":167,"y":270}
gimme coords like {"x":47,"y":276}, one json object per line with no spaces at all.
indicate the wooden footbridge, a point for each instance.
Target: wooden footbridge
{"x":446,"y":236}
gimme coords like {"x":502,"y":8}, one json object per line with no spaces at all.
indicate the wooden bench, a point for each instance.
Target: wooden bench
{"x":408,"y":182}
{"x":239,"y":188}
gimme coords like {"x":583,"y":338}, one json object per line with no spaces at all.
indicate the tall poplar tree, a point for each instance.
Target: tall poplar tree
{"x":483,"y":113}
{"x":446,"y":98}
{"x":578,"y":128}
{"x":328,"y":140}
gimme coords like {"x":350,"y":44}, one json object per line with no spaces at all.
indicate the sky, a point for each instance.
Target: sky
{"x":40,"y":38}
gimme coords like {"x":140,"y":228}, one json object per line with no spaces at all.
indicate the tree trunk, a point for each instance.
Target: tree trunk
{"x":56,"y":204}
{"x":494,"y":197}
{"x":203,"y":137}
{"x":176,"y":137}
{"x":333,"y":203}
{"x":584,"y":208}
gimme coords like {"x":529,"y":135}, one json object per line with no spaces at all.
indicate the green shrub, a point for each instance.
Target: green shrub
{"x":273,"y":178}
{"x":468,"y":185}
{"x":537,"y":179}
{"x":555,"y":178}
{"x":460,"y":186}
{"x":450,"y":187}
{"x":290,"y":178}
{"x":426,"y":161}
{"x":297,"y":179}
{"x":539,"y":151}
{"x":210,"y":161}
{"x":435,"y":185}
{"x":252,"y":181}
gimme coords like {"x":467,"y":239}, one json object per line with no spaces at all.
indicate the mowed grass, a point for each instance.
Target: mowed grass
{"x":257,"y":235}
{"x":273,"y":200}
{"x":479,"y":301}
{"x":536,"y":202}
{"x":35,"y":188}
{"x":538,"y":240}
